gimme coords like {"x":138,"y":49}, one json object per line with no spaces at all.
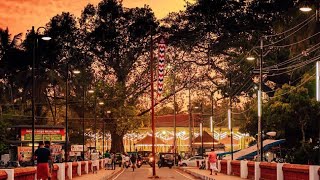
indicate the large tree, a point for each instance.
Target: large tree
{"x":119,"y":38}
{"x":293,"y":113}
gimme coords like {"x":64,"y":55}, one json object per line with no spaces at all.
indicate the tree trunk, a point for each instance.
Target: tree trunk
{"x":116,"y":142}
{"x":302,"y":124}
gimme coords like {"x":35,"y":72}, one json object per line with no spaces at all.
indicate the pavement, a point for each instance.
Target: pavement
{"x":205,"y":174}
{"x":101,"y":175}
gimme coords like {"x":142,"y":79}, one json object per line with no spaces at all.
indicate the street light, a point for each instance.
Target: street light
{"x":173,"y":68}
{"x":305,"y":7}
{"x":260,"y":141}
{"x":35,"y":35}
{"x":66,"y":122}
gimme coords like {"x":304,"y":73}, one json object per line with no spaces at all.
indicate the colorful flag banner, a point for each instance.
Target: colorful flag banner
{"x":161,"y":56}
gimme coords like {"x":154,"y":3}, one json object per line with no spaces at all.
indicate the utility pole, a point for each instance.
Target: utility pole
{"x":175,"y":116}
{"x":190,"y":123}
{"x":230,"y":115}
{"x":212,"y":121}
{"x":260,"y":101}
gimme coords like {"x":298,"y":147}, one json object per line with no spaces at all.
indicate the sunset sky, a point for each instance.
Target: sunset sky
{"x":20,"y":15}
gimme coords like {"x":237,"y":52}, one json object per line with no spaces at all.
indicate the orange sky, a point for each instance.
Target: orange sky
{"x":20,"y":15}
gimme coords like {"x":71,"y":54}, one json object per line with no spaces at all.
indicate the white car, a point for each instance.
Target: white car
{"x":192,"y":161}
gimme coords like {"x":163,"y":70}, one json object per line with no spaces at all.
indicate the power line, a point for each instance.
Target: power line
{"x":271,"y":44}
{"x":286,"y":31}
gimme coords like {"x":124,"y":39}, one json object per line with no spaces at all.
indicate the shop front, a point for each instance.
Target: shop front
{"x":21,"y":144}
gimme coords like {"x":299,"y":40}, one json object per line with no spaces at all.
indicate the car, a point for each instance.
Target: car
{"x":165,"y":160}
{"x":192,"y":161}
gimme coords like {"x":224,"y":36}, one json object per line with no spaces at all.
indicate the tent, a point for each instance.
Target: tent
{"x":207,"y":142}
{"x":147,"y":141}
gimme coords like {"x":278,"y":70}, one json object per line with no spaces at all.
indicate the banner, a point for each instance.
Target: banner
{"x":161,"y":57}
{"x":43,"y":134}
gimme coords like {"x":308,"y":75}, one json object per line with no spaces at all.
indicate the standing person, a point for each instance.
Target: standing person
{"x":50,"y":161}
{"x":179,"y":159}
{"x":133,"y":160}
{"x":212,"y":157}
{"x":42,"y":155}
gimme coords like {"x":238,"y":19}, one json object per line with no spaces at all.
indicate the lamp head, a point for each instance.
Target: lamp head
{"x":250,"y":58}
{"x":305,"y":6}
{"x":46,"y":38}
{"x":76,"y":72}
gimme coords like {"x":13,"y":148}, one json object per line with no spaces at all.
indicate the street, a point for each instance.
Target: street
{"x":145,"y":172}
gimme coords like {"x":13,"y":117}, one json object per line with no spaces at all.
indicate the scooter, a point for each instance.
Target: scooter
{"x":139,"y":163}
{"x":127,"y":164}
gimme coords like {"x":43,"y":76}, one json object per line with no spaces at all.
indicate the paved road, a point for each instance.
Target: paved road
{"x":145,"y":172}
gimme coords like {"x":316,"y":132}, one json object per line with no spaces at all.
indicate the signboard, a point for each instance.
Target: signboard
{"x":43,"y":135}
{"x":77,"y":148}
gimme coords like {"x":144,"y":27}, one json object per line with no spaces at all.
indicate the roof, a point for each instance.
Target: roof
{"x":207,"y":138}
{"x":227,"y":140}
{"x":148,"y":141}
{"x":182,"y":120}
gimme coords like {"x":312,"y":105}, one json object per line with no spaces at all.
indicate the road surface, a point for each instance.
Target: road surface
{"x":145,"y":172}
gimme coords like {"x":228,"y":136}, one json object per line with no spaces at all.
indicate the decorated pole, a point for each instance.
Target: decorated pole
{"x":152,"y":106}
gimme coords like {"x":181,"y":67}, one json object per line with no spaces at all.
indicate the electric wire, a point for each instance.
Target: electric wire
{"x":289,"y":35}
{"x":241,"y":112}
{"x":286,"y":31}
{"x":304,"y":64}
{"x":293,"y":59}
{"x":287,"y":45}
{"x":294,"y":87}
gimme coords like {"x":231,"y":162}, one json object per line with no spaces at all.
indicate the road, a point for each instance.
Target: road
{"x":145,"y":172}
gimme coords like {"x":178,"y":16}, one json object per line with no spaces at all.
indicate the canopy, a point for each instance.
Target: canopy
{"x":147,"y":141}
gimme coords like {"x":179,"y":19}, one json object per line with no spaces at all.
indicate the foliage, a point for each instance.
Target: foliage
{"x":293,"y":114}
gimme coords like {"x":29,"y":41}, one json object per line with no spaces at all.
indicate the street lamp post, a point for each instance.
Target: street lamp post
{"x":83,"y":126}
{"x":35,"y":36}
{"x":260,"y":101}
{"x":230,"y":116}
{"x":212,"y":121}
{"x":260,"y":140}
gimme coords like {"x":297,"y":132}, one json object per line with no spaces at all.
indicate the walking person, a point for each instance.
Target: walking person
{"x":133,"y":160}
{"x":114,"y":160}
{"x":212,"y":157}
{"x":42,"y":155}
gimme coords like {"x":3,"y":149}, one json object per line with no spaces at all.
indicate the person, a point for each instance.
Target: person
{"x":114,"y":159}
{"x":133,"y":160}
{"x":50,"y":161}
{"x":21,"y":158}
{"x":42,"y":155}
{"x":95,"y":162}
{"x":179,"y":159}
{"x":123,"y":161}
{"x":127,"y":161}
{"x":212,"y":157}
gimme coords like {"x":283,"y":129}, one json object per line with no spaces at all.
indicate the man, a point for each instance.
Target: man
{"x":50,"y":161}
{"x":42,"y":155}
{"x":133,"y":160}
{"x":212,"y":157}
